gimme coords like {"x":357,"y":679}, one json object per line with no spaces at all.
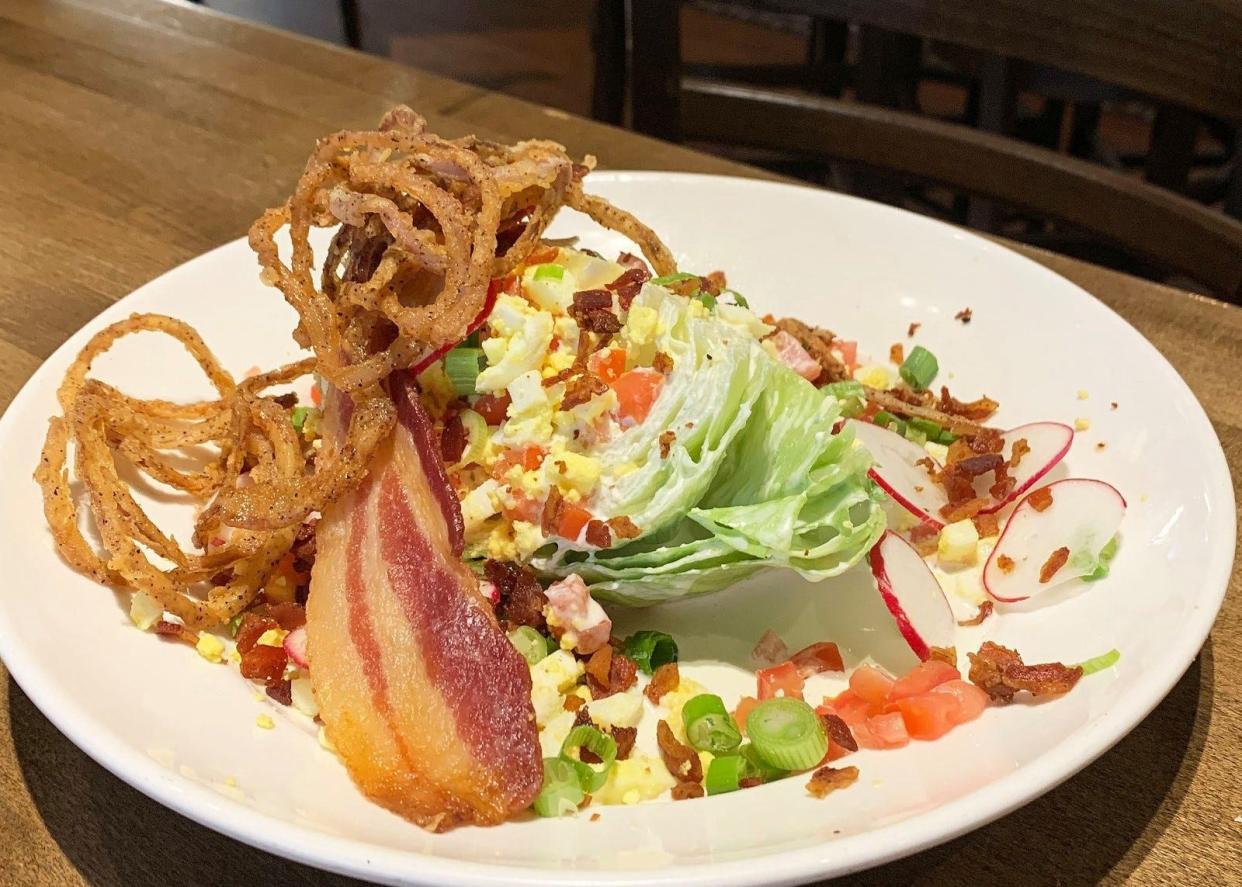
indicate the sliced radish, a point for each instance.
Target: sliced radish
{"x":1048,"y":442}
{"x":295,"y":647}
{"x":1083,"y":516}
{"x":898,"y":472}
{"x":912,"y":595}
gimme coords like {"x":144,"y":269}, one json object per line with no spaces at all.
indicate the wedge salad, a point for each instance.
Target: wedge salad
{"x":507,"y":439}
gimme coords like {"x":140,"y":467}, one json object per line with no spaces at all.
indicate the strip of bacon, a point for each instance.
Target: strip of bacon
{"x":421,"y":693}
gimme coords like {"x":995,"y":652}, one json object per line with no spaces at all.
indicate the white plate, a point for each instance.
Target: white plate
{"x":179,"y":729}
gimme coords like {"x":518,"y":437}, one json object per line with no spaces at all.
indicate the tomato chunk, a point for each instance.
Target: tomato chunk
{"x":816,"y":658}
{"x":609,"y":364}
{"x":871,"y":684}
{"x":573,"y":519}
{"x":742,"y":712}
{"x":849,"y":707}
{"x":928,"y":715}
{"x":922,"y":678}
{"x":971,"y":700}
{"x":780,"y":679}
{"x":887,"y":730}
{"x":637,"y":391}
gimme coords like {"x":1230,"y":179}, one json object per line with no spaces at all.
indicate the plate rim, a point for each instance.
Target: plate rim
{"x":851,"y":853}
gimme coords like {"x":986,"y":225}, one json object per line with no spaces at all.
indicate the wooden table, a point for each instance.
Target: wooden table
{"x":138,"y":134}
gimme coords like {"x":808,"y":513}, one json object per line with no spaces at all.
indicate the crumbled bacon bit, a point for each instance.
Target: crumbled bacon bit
{"x":838,"y":731}
{"x":553,"y":510}
{"x":715,"y":282}
{"x":827,"y":780}
{"x":682,"y":761}
{"x":685,"y":791}
{"x":1020,"y":449}
{"x":1040,"y":499}
{"x":624,"y":737}
{"x":563,"y":376}
{"x":1055,"y":562}
{"x":947,"y":655}
{"x":953,"y":513}
{"x":521,"y":598}
{"x":662,"y":363}
{"x":1100,"y":445}
{"x":253,"y":624}
{"x":493,"y":408}
{"x":594,"y":817}
{"x":598,"y":535}
{"x":985,"y":610}
{"x":974,"y":466}
{"x":629,"y":260}
{"x":281,"y":691}
{"x":453,"y":439}
{"x":573,"y":702}
{"x":622,"y":674}
{"x":687,"y":287}
{"x":750,"y":781}
{"x":600,"y":664}
{"x":664,"y":680}
{"x":964,"y":315}
{"x":264,"y":663}
{"x":1001,"y":673}
{"x":176,"y":631}
{"x":818,"y":344}
{"x":622,"y":527}
{"x":628,"y":285}
{"x":897,"y":353}
{"x":1112,"y":405}
{"x":581,"y":388}
{"x":304,"y":546}
{"x":667,"y":439}
{"x":975,"y":410}
{"x":592,"y":309}
{"x":1005,"y":563}
{"x":986,"y":525}
{"x":590,"y":300}
{"x":912,"y":329}
{"x":582,"y":718}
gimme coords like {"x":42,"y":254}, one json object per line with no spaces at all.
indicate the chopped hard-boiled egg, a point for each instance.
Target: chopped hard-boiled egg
{"x":273,"y":637}
{"x":874,"y":375}
{"x":937,"y":451}
{"x":521,"y":336}
{"x":209,"y":646}
{"x":553,"y":734}
{"x":551,"y":678}
{"x":303,"y":697}
{"x":479,"y":504}
{"x":958,"y":543}
{"x":638,"y":778}
{"x":619,"y":709}
{"x":144,"y":610}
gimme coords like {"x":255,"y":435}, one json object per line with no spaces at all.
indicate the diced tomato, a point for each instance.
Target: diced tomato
{"x":781,"y":680}
{"x":573,"y":519}
{"x":529,"y":457}
{"x":835,"y":752}
{"x":636,"y":391}
{"x":922,"y":678}
{"x":823,"y":656}
{"x":316,"y":395}
{"x":608,"y":364}
{"x":742,"y":712}
{"x":850,"y":707}
{"x":871,"y":684}
{"x":790,"y":352}
{"x":543,"y":256}
{"x":928,"y":715}
{"x":888,"y":730}
{"x":493,"y":409}
{"x":497,"y":285}
{"x":971,"y":700}
{"x":524,"y":508}
{"x":849,"y":354}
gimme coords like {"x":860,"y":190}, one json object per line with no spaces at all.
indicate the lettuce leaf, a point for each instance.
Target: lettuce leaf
{"x":754,"y":479}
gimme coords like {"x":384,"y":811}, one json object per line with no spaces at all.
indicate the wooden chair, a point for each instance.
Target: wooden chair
{"x":1187,"y":55}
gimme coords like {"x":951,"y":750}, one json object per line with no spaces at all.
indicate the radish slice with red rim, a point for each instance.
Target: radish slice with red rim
{"x":1083,"y":516}
{"x":1048,"y":443}
{"x":295,"y":647}
{"x":912,"y":595}
{"x":898,"y":472}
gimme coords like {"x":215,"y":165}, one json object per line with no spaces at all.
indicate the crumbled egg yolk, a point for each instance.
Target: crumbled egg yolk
{"x":638,"y":778}
{"x":273,"y":637}
{"x":874,"y":375}
{"x":1082,"y":424}
{"x":209,"y":646}
{"x":265,"y":722}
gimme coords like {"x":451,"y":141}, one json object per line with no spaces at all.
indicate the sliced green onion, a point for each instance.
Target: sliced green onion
{"x":650,"y":650}
{"x":1099,"y":663}
{"x":883,"y":418}
{"x":708,"y":300}
{"x":945,"y":437}
{"x":235,"y":624}
{"x":701,"y":705}
{"x":462,"y":366}
{"x":477,"y":436}
{"x":715,"y":733}
{"x":927,"y":426}
{"x":756,"y":766}
{"x":787,"y":733}
{"x":919,"y":368}
{"x":738,"y":299}
{"x":843,"y":390}
{"x":531,"y":644}
{"x":1104,"y":562}
{"x":673,"y":278}
{"x":915,"y":436}
{"x":725,"y":774}
{"x":550,"y":271}
{"x":600,"y":744}
{"x":562,"y":790}
{"x":299,"y":415}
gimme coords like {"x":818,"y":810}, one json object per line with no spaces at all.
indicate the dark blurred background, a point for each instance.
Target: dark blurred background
{"x":1105,"y":129}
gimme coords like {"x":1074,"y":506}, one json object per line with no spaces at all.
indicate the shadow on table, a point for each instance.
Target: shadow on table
{"x":1104,"y":820}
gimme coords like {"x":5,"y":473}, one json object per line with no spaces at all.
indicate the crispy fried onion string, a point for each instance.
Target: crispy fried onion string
{"x":423,"y":225}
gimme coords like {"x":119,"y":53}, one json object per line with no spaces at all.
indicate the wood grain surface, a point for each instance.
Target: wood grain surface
{"x":138,"y":133}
